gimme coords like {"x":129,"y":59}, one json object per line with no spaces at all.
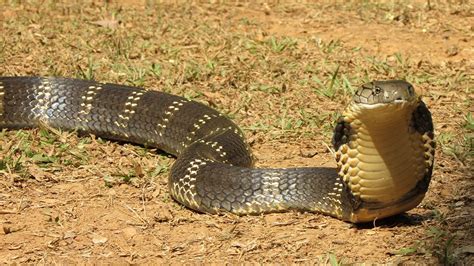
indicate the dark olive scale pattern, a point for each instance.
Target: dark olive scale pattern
{"x":187,"y":129}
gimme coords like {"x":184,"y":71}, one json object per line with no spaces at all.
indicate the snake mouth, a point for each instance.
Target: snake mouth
{"x":384,"y":111}
{"x":396,"y":104}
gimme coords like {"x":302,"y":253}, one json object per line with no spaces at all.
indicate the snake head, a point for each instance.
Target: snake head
{"x":385,"y":92}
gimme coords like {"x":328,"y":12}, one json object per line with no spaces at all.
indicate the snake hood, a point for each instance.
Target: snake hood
{"x":383,"y":142}
{"x":385,"y":149}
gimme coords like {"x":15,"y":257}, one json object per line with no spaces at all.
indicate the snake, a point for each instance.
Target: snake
{"x":383,"y":144}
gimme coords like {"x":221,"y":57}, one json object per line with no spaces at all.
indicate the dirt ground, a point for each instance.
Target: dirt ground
{"x":283,"y":72}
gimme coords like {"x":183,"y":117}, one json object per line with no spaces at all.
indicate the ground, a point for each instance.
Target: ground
{"x":283,"y":73}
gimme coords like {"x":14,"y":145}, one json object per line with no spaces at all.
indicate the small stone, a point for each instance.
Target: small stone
{"x":99,"y":240}
{"x":452,"y":50}
{"x":129,"y":232}
{"x":69,"y":234}
{"x":7,"y":230}
{"x":308,"y":153}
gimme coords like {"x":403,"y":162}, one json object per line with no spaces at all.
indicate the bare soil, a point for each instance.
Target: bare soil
{"x":282,"y":72}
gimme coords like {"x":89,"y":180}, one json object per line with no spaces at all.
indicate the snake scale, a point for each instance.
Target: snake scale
{"x":383,"y":142}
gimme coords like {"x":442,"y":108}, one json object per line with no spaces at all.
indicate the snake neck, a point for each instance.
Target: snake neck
{"x":383,"y":159}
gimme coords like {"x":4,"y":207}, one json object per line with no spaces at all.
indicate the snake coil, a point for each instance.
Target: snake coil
{"x":384,"y":143}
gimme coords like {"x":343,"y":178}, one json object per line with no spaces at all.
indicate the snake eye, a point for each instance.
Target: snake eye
{"x":377,"y":91}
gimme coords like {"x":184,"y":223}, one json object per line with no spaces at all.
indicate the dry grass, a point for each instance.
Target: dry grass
{"x":282,"y":72}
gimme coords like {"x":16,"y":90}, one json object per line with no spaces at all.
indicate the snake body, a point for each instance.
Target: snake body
{"x":383,"y":142}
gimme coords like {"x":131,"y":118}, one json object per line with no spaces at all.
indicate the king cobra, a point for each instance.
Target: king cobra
{"x":383,"y":144}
